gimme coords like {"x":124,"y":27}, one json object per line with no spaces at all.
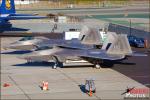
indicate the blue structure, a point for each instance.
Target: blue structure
{"x":8,"y":12}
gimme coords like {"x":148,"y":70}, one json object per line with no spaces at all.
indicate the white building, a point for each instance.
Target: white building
{"x":62,"y":19}
{"x":18,"y":2}
{"x":25,"y":1}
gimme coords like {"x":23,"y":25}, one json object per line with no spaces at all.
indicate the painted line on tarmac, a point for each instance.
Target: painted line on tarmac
{"x":75,"y":81}
{"x":19,"y":87}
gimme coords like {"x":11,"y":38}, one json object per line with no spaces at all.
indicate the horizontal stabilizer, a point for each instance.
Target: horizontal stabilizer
{"x":138,"y":54}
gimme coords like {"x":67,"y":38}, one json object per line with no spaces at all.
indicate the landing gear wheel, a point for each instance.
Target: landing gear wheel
{"x":56,"y":62}
{"x":97,"y":66}
{"x":29,"y":61}
{"x":55,"y":66}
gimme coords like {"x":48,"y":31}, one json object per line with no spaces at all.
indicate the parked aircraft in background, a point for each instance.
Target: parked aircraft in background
{"x":8,"y":12}
{"x":88,"y":36}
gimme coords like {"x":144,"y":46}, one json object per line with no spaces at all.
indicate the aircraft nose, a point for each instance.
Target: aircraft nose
{"x":5,"y":47}
{"x":25,"y":56}
{"x":12,"y":46}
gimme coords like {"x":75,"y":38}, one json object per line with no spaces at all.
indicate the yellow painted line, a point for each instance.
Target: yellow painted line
{"x":3,"y":48}
{"x":29,"y":32}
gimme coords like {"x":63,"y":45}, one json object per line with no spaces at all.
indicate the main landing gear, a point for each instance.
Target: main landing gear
{"x":55,"y":65}
{"x":56,"y":62}
{"x":29,"y":60}
{"x":97,"y":65}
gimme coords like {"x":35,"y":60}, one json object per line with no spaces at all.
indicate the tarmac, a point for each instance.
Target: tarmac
{"x":90,"y":11}
{"x":25,"y":79}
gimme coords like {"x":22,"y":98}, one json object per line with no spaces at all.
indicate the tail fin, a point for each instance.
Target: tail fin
{"x":90,"y":35}
{"x":7,"y":7}
{"x":110,"y":38}
{"x":119,"y":46}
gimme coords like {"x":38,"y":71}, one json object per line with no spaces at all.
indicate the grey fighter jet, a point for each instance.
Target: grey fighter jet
{"x":88,"y":36}
{"x":117,"y":49}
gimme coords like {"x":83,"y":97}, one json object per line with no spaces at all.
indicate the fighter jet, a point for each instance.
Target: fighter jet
{"x":88,"y":36}
{"x":117,"y":49}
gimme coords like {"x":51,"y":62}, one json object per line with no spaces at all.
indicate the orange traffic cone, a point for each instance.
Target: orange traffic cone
{"x":6,"y":85}
{"x":45,"y":85}
{"x":90,"y":92}
{"x":146,"y":43}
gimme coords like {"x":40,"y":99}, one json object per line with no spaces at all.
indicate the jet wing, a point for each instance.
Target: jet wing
{"x":104,"y":56}
{"x":23,"y":17}
{"x":41,"y":55}
{"x":61,"y":52}
{"x":16,"y":14}
{"x":64,"y":44}
{"x":50,"y":43}
{"x":135,"y":53}
{"x":95,"y":54}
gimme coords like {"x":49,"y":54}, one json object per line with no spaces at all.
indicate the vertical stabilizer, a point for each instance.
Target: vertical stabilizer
{"x":7,"y":7}
{"x":121,"y":46}
{"x":90,"y":35}
{"x":110,"y":38}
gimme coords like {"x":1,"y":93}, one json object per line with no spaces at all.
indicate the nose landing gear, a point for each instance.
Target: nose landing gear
{"x":56,"y":62}
{"x":55,"y":65}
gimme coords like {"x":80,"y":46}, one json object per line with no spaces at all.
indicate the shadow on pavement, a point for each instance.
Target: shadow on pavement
{"x":12,"y":29}
{"x":17,"y":52}
{"x":139,"y":70}
{"x":35,"y":64}
{"x":82,"y":88}
{"x":110,"y":64}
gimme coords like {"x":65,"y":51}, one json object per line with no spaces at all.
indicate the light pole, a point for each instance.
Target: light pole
{"x":130,"y":27}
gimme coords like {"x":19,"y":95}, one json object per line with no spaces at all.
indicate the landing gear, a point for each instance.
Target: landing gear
{"x":56,"y":62}
{"x":29,"y":61}
{"x":55,"y":65}
{"x":97,"y":66}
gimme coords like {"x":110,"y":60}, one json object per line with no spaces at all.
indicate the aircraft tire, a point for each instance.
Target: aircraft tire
{"x":97,"y":66}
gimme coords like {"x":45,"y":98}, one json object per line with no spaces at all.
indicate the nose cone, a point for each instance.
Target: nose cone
{"x":6,"y":47}
{"x":14,"y":45}
{"x":33,"y":56}
{"x":21,"y":45}
{"x":28,"y":55}
{"x":42,"y":55}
